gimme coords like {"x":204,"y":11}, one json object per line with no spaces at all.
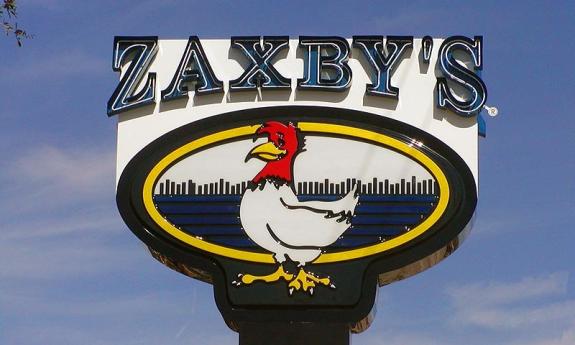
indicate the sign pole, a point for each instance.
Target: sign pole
{"x":293,"y":333}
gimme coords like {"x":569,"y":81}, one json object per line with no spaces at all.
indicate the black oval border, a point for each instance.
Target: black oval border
{"x":459,"y":212}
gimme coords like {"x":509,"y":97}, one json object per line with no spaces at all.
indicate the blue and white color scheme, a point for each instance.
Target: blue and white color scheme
{"x":412,"y":76}
{"x":193,"y":68}
{"x":325,"y":67}
{"x":140,"y":53}
{"x":458,"y":73}
{"x":384,"y":60}
{"x":74,"y":274}
{"x":260,"y":71}
{"x":286,"y":195}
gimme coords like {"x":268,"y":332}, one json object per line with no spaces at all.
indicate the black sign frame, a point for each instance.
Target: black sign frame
{"x":445,"y":236}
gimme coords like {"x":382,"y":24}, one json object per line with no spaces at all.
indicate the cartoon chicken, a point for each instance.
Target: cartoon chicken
{"x":274,"y":218}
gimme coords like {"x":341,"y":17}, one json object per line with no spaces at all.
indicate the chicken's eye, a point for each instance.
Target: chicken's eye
{"x":281,"y":141}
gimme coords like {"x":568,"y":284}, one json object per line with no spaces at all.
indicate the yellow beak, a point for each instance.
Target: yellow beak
{"x":266,"y":152}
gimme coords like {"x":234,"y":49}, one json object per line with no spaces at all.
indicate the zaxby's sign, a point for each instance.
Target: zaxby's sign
{"x":297,"y":175}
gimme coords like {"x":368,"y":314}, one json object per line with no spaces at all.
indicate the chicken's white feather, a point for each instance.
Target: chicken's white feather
{"x":276,"y":220}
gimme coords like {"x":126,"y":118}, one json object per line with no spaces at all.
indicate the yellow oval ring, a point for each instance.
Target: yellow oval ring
{"x":305,"y":127}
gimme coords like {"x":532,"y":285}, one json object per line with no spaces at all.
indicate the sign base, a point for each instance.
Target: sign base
{"x":293,"y":333}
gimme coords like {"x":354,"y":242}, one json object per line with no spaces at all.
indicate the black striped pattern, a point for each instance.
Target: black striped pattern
{"x":373,"y":187}
{"x":378,"y":217}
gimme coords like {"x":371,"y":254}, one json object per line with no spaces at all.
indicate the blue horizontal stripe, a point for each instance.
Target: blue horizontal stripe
{"x":205,"y":219}
{"x":325,"y":197}
{"x":246,"y":242}
{"x":218,"y":230}
{"x":233,"y":241}
{"x":198,"y":208}
{"x":233,"y":230}
{"x":381,"y":230}
{"x":394,"y":209}
{"x":391,"y":220}
{"x":207,"y":230}
{"x":355,"y":241}
{"x":234,"y":219}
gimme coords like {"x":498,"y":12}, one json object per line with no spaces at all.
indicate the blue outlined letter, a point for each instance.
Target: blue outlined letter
{"x":140,"y":52}
{"x":458,"y":73}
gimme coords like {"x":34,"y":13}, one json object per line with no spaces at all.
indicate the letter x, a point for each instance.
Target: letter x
{"x":260,"y":72}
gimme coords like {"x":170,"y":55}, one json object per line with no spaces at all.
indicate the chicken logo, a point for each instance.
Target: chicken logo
{"x":276,"y":220}
{"x":298,"y":209}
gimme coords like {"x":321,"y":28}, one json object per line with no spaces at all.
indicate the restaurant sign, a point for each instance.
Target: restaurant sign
{"x":297,"y":175}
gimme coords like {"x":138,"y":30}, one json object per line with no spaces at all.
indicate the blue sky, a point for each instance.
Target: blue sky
{"x":71,"y":272}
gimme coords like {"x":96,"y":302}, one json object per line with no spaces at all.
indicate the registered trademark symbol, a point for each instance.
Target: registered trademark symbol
{"x":491,"y":111}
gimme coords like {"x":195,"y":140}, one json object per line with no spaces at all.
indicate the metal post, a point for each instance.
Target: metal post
{"x":293,"y":333}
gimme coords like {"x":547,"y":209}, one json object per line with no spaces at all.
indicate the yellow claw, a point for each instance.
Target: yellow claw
{"x":307,"y":281}
{"x":280,"y":273}
{"x":303,"y":281}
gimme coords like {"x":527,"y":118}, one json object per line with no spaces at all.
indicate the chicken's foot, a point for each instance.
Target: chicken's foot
{"x":303,"y":281}
{"x":280,"y":273}
{"x":307,"y":281}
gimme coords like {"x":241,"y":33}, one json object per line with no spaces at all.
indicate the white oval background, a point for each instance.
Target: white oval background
{"x":323,"y":157}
